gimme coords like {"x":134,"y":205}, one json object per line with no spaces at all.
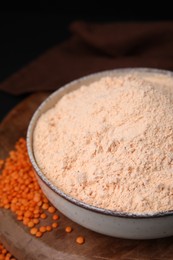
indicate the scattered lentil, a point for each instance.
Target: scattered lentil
{"x":68,"y":229}
{"x":54,"y":224}
{"x":34,"y":230}
{"x":80,"y":240}
{"x":43,"y":216}
{"x":31,"y":224}
{"x":48,"y":228}
{"x":51,"y":209}
{"x":42,"y":229}
{"x":4,"y":254}
{"x":55,"y":217}
{"x":20,"y":192}
{"x":36,"y":220}
{"x":45,"y":206}
{"x":38,"y":234}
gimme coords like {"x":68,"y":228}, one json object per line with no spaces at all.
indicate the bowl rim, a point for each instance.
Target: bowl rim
{"x":58,"y":191}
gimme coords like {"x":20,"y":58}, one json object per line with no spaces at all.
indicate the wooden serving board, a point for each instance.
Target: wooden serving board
{"x":58,"y":244}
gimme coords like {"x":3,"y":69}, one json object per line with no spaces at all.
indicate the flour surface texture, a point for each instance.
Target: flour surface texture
{"x":110,"y":144}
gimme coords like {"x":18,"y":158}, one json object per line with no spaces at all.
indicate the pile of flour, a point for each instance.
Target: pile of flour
{"x":110,"y":144}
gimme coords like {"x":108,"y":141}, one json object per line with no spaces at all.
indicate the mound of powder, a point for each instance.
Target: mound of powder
{"x":110,"y":144}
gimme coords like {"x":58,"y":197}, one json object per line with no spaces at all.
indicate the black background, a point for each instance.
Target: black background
{"x":24,"y":35}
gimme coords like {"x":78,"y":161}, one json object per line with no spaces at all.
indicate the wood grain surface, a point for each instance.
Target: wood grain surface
{"x":58,"y":244}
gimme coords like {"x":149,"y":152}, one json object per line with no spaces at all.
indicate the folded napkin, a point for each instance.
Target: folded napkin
{"x":96,"y":47}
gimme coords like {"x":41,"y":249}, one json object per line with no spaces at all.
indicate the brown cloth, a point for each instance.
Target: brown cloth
{"x":96,"y":47}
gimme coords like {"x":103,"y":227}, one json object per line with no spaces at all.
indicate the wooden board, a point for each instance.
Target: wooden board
{"x":58,"y":244}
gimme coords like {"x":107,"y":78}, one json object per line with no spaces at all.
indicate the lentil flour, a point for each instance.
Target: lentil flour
{"x":110,"y":144}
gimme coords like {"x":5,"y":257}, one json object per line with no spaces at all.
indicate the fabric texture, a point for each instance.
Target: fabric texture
{"x":96,"y":47}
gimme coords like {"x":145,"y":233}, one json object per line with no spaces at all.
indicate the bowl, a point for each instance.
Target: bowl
{"x":104,"y":221}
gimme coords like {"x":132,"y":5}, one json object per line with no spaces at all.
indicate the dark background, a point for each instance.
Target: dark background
{"x":24,"y":35}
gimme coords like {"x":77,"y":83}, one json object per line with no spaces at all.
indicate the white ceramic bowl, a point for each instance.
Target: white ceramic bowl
{"x":112,"y":223}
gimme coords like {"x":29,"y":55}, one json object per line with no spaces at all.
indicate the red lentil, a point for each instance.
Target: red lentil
{"x":19,"y":189}
{"x":68,"y":229}
{"x":51,"y":209}
{"x":38,"y":234}
{"x":43,"y":216}
{"x":36,"y":220}
{"x":80,"y":240}
{"x":42,"y":229}
{"x":48,"y":228}
{"x":45,"y":206}
{"x":34,"y":230}
{"x":4,"y":254}
{"x":31,"y":224}
{"x":55,"y":217}
{"x":55,"y":225}
{"x":20,"y":192}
